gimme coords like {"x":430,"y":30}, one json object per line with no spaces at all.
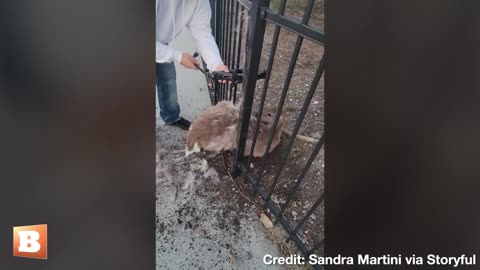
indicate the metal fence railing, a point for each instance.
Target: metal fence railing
{"x":229,"y":24}
{"x":239,"y":29}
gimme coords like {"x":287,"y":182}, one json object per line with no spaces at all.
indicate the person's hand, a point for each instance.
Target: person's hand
{"x":222,"y":68}
{"x":188,"y":61}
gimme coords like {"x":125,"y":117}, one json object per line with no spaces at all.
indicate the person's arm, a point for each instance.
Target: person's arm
{"x":199,"y":25}
{"x":167,"y":54}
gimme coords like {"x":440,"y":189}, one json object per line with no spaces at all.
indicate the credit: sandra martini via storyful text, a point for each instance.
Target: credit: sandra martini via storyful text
{"x":431,"y":259}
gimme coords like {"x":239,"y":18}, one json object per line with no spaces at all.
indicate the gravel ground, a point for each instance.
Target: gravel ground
{"x":199,"y":222}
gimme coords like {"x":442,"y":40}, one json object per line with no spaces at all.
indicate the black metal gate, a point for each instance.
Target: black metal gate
{"x":239,"y":28}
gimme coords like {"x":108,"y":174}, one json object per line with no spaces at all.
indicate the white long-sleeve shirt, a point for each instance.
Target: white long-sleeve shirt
{"x":172,"y":17}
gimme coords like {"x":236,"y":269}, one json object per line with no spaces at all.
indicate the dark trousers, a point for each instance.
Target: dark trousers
{"x":167,"y":92}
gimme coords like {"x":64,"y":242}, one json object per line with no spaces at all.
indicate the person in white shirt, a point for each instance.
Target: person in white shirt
{"x":172,"y":16}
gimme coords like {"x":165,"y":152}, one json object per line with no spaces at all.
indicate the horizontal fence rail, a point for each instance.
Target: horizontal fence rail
{"x":299,"y":28}
{"x":239,"y":29}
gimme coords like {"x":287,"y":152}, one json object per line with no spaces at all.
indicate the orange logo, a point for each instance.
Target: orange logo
{"x":30,"y":241}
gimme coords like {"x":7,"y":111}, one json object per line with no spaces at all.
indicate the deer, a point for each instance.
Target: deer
{"x":215,"y":129}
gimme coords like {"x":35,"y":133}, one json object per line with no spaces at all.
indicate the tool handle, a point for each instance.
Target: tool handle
{"x":222,"y":75}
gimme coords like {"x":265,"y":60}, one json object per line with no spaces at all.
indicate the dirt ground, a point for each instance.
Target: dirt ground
{"x":199,"y":224}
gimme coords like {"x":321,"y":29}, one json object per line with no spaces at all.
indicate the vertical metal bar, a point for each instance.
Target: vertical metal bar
{"x":219,"y":25}
{"x":246,"y":37}
{"x":229,"y":33}
{"x":234,"y":48}
{"x":302,"y":175}
{"x":235,"y":34}
{"x":308,"y":11}
{"x":239,"y":49}
{"x":266,"y":82}
{"x":240,"y":35}
{"x":228,"y":17}
{"x":230,"y":45}
{"x":296,"y":51}
{"x":218,"y":87}
{"x":217,"y":12}
{"x":220,"y":45}
{"x":215,"y":92}
{"x":230,"y":40}
{"x":235,"y":94}
{"x":214,"y":14}
{"x":228,"y":90}
{"x":217,"y":21}
{"x":309,"y":213}
{"x":227,"y":41}
{"x":254,"y":43}
{"x":298,"y":123}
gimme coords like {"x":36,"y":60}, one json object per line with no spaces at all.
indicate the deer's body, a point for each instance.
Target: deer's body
{"x":215,"y":129}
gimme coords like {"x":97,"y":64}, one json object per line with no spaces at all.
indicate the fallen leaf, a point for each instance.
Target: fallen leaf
{"x":267,"y":223}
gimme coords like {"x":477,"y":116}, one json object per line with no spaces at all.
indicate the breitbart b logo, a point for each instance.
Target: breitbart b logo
{"x":30,"y":241}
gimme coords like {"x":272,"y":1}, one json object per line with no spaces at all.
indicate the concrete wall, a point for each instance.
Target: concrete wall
{"x":191,"y":85}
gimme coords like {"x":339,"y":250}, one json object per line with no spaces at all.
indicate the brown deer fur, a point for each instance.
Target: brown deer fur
{"x":215,"y":129}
